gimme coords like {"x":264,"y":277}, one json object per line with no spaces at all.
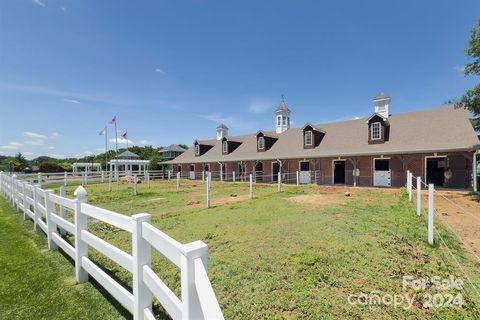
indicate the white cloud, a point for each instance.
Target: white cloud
{"x":71,"y":100}
{"x":145,"y":142}
{"x":34,"y":135}
{"x":51,"y":148}
{"x":39,"y":3}
{"x":122,"y":141}
{"x":56,"y":134}
{"x":260,"y":106}
{"x":12,"y":145}
{"x":459,"y":68}
{"x":160,"y":71}
{"x":28,"y":154}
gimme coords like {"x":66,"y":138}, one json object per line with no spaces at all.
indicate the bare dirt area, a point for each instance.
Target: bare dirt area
{"x":317,"y":200}
{"x":461,"y":211}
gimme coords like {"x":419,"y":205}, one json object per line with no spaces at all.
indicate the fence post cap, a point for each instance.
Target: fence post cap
{"x":80,"y":192}
{"x":195,"y":249}
{"x":142,"y":217}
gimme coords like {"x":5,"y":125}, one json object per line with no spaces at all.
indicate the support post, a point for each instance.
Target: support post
{"x":178,"y":181}
{"x":142,"y":256}
{"x":169,"y":175}
{"x":191,"y":308}
{"x":37,"y":214}
{"x":251,"y":186}
{"x":233,"y":176}
{"x":208,"y":184}
{"x":62,"y":209}
{"x":65,"y":175}
{"x":135,"y":181}
{"x":39,"y":177}
{"x":298,"y":178}
{"x":103,"y":176}
{"x":81,"y":248}
{"x":474,"y":172}
{"x":419,"y":196}
{"x":431,"y":209}
{"x":51,"y":226}
{"x":24,"y":200}
{"x":203,"y":175}
{"x":110,"y":181}
{"x":279,"y":182}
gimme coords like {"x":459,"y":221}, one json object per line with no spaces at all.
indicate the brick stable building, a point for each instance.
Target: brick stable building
{"x":440,"y":145}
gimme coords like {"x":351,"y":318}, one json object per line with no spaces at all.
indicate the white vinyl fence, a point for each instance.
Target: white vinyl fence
{"x":47,"y":210}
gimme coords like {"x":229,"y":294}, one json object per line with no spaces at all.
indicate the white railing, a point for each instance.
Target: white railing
{"x":47,"y":210}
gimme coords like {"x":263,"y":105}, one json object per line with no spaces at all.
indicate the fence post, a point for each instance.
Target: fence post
{"x":208,"y":182}
{"x":169,"y":174}
{"x":142,"y":255}
{"x":86,"y":178}
{"x":279,"y":182}
{"x":81,"y":248}
{"x":24,"y":200}
{"x":1,"y":181}
{"x":39,"y":177}
{"x":103,"y":177}
{"x":51,"y":226}
{"x":298,"y":178}
{"x":36,"y":212}
{"x":62,"y":209}
{"x":203,"y":175}
{"x":419,"y":195}
{"x":14,"y":180}
{"x":65,"y":178}
{"x":147,"y":173}
{"x":409,"y":185}
{"x":135,"y":181}
{"x":110,"y":181}
{"x":233,"y":176}
{"x":430,"y":213}
{"x":251,"y":186}
{"x":191,"y":308}
{"x":178,"y":181}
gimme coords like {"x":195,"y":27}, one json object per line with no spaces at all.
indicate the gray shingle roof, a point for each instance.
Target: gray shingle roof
{"x":282,"y":107}
{"x":222,"y":126}
{"x":128,"y":155}
{"x":433,"y":130}
{"x":172,"y":147}
{"x":381,"y":95}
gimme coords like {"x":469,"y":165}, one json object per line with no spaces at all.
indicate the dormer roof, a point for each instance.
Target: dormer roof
{"x":378,"y":115}
{"x":317,"y":128}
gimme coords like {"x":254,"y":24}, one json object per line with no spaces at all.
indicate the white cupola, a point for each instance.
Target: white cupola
{"x":282,"y":117}
{"x":222,"y":131}
{"x":382,"y":104}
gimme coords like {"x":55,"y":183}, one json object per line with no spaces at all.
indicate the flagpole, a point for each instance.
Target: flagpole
{"x":106,"y":149}
{"x":116,"y":139}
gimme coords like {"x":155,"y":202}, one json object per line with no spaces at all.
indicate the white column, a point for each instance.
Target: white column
{"x":298,"y":178}
{"x":474,"y":172}
{"x":419,"y":195}
{"x":279,"y":181}
{"x":251,"y":186}
{"x":142,"y":256}
{"x":431,"y":209}
{"x":81,"y":248}
{"x":233,"y":176}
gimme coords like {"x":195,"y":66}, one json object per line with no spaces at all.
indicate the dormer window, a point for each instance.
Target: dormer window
{"x":376,"y":131}
{"x":225,"y":147}
{"x":261,"y":143}
{"x":308,"y":138}
{"x":197,"y":149}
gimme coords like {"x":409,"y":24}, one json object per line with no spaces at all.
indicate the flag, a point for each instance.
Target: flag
{"x":113,"y":121}
{"x":125,"y":136}
{"x":101,"y":133}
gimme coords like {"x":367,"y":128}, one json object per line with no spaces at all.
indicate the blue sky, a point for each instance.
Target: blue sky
{"x":172,"y":70}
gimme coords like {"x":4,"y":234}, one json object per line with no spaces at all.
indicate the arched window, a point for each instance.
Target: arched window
{"x":261,"y":143}
{"x":197,"y":149}
{"x":225,"y":147}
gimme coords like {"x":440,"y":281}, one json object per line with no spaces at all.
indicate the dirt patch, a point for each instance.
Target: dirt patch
{"x":155,"y":199}
{"x":229,"y":199}
{"x":461,"y":211}
{"x":319,"y":199}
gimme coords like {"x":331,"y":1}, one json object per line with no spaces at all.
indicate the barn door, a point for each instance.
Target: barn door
{"x":305,"y":175}
{"x":382,"y":173}
{"x":191,"y":173}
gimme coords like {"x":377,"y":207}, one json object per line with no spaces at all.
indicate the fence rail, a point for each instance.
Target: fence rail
{"x":47,"y":210}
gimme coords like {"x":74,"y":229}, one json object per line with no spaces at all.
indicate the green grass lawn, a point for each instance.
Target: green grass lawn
{"x":281,"y":255}
{"x":39,"y":284}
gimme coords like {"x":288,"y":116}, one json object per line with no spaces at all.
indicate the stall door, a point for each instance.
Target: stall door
{"x":339,"y":172}
{"x":305,"y":175}
{"x":191,"y":173}
{"x":382,"y":173}
{"x":275,"y":171}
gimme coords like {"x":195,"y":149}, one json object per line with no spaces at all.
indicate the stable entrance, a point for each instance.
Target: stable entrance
{"x":381,"y":173}
{"x":305,"y":175}
{"x":259,"y":172}
{"x":275,"y":170}
{"x":436,"y":171}
{"x":191,"y":173}
{"x":339,"y":171}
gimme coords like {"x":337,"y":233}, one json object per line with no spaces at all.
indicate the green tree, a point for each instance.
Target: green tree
{"x":21,"y":161}
{"x":471,"y":99}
